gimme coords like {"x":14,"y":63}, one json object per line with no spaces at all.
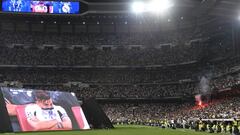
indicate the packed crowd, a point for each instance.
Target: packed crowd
{"x":140,"y":91}
{"x":141,"y":112}
{"x":97,"y":57}
{"x":124,"y":91}
{"x":221,"y":109}
{"x":127,"y":83}
{"x":144,"y":90}
{"x":175,"y":53}
{"x":54,"y":38}
{"x":225,"y":82}
{"x":102,"y":76}
{"x":218,"y":72}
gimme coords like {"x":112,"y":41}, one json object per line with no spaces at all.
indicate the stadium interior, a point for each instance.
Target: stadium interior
{"x":145,"y":64}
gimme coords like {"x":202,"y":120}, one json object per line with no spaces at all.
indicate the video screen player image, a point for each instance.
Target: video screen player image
{"x":56,"y":7}
{"x":34,"y":6}
{"x":40,"y":110}
{"x":67,"y":8}
{"x":16,"y":5}
{"x":42,"y":6}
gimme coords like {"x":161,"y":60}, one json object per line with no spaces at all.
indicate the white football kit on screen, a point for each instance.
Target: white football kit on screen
{"x":34,"y":111}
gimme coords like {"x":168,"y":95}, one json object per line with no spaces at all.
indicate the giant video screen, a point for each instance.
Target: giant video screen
{"x":40,"y":110}
{"x":35,"y":6}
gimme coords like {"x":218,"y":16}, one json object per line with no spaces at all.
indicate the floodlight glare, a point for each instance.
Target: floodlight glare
{"x":159,"y":6}
{"x":138,"y":7}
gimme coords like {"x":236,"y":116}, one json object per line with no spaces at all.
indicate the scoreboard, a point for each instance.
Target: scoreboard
{"x":40,"y":6}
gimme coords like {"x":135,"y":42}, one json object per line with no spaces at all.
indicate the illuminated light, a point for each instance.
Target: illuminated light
{"x":138,"y":7}
{"x":159,"y":6}
{"x":154,"y":6}
{"x":200,"y":103}
{"x":73,"y":94}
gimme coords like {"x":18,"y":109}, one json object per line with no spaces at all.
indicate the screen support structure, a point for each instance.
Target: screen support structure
{"x":5,"y":124}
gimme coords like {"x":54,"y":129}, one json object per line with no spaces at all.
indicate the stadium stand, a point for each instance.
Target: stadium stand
{"x":150,"y":68}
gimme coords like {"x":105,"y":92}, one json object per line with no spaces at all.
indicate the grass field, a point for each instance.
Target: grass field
{"x":123,"y":130}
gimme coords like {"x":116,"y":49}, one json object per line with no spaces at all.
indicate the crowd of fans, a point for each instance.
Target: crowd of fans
{"x":141,"y":91}
{"x":53,"y":38}
{"x":125,"y":91}
{"x":97,"y":57}
{"x":219,"y":74}
{"x":142,"y":112}
{"x":225,"y":82}
{"x":174,"y":53}
{"x":114,"y":76}
{"x":145,"y":113}
{"x":127,"y":83}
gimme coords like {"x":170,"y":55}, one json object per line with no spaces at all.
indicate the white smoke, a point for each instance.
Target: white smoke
{"x":204,"y":85}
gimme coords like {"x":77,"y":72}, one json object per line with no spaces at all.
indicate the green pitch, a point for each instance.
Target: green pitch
{"x":123,"y":130}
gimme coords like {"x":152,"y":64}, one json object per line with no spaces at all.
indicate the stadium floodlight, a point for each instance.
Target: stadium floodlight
{"x":138,"y":7}
{"x":159,"y":6}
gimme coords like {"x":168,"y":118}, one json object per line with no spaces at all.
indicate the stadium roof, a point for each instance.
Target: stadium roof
{"x":223,"y":8}
{"x":114,"y":10}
